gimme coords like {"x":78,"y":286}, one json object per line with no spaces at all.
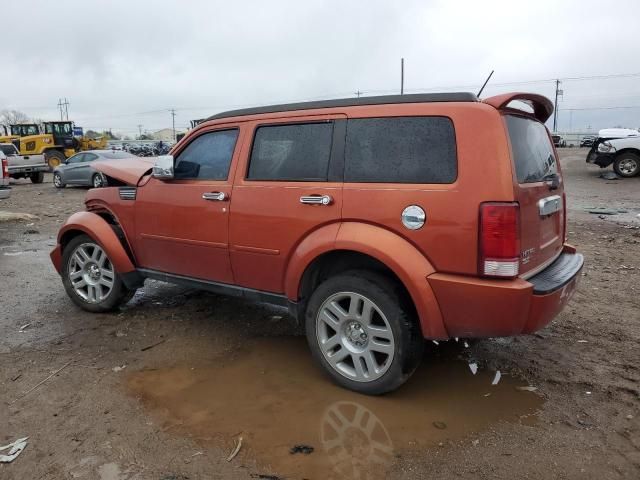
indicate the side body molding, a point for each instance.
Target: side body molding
{"x":98,"y":229}
{"x":409,"y":265}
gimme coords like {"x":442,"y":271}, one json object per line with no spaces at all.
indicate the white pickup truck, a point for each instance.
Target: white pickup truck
{"x":24,"y":166}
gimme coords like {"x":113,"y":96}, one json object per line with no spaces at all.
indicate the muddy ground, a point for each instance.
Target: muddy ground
{"x":165,"y":388}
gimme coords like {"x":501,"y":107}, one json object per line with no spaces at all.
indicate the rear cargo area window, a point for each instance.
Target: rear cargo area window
{"x":401,"y":150}
{"x":531,"y":149}
{"x":297,"y":152}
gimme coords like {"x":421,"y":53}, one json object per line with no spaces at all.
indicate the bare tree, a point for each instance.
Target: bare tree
{"x":11,"y":117}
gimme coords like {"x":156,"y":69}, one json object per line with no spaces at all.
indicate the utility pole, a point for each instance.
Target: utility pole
{"x":358,"y":93}
{"x":64,"y":108}
{"x":140,"y":130}
{"x":555,"y":107}
{"x":173,"y":121}
{"x":402,"y":76}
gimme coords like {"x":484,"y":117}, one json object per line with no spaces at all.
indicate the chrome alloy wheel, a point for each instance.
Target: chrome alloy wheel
{"x":628,"y":166}
{"x":57,"y":180}
{"x":91,"y":273}
{"x":354,"y":336}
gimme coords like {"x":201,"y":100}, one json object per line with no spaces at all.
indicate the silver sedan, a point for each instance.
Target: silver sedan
{"x":77,"y":170}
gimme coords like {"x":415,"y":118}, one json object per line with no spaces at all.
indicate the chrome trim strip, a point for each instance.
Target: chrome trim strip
{"x":549,"y":205}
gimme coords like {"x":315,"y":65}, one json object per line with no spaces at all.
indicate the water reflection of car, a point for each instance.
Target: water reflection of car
{"x":78,"y":170}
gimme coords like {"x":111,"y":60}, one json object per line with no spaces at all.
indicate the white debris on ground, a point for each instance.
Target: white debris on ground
{"x":473,"y":367}
{"x":16,"y":216}
{"x":15,"y":449}
{"x":496,"y":378}
{"x":118,"y":368}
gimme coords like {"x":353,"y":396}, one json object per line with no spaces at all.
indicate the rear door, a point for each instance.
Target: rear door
{"x":278,"y":195}
{"x":540,"y":195}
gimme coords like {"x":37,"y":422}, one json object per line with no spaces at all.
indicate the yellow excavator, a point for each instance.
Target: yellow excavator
{"x":59,"y":141}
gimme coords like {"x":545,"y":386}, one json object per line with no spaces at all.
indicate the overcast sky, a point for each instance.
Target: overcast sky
{"x":124,"y":63}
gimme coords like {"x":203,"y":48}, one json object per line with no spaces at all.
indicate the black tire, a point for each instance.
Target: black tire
{"x":96,"y":181}
{"x":57,"y":180}
{"x":118,"y":295}
{"x":54,"y":158}
{"x":390,"y":299}
{"x":37,"y":177}
{"x":627,"y":165}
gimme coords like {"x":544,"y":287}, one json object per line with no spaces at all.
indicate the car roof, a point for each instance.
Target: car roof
{"x":351,"y":102}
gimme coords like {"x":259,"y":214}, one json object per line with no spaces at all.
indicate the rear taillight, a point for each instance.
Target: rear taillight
{"x":499,"y":240}
{"x":5,"y":168}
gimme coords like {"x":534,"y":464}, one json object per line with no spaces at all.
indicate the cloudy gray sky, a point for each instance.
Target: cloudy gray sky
{"x":124,"y":63}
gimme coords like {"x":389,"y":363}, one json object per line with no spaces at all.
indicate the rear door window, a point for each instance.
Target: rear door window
{"x":531,"y":149}
{"x":297,"y":152}
{"x":401,"y":150}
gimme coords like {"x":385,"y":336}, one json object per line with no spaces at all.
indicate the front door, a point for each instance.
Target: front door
{"x":72,"y":168}
{"x":287,"y":186}
{"x":182,"y":224}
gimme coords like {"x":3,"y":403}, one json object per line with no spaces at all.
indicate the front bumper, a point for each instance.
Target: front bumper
{"x":5,"y":192}
{"x":473,"y":307}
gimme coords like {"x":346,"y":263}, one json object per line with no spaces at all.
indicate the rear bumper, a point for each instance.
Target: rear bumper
{"x":28,"y":169}
{"x":476,"y":307}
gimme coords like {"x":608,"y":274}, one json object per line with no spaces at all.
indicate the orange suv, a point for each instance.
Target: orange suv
{"x":379,"y":222}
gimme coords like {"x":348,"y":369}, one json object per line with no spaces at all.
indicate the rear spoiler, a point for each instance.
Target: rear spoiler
{"x":542,"y":106}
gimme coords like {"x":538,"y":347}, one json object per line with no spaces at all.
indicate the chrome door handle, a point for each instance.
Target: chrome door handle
{"x":215,"y":196}
{"x":316,"y":200}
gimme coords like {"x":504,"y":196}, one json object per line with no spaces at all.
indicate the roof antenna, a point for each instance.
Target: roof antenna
{"x":485,"y":83}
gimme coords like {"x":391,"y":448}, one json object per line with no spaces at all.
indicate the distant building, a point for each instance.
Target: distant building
{"x":166,"y":135}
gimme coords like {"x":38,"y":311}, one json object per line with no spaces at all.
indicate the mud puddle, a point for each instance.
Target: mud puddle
{"x":273,"y":396}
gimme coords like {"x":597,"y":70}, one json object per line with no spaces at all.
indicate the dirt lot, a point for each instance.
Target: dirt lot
{"x":164,"y":388}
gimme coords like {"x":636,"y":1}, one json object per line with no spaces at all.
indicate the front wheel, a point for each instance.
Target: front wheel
{"x":54,"y":158}
{"x":627,"y":165}
{"x":57,"y":180}
{"x":90,"y":278}
{"x":362,"y":331}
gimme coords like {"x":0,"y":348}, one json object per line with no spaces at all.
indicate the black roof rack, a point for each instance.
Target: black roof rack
{"x":352,"y":102}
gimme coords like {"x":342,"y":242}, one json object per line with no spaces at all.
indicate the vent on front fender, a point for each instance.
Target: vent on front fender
{"x":128,"y":193}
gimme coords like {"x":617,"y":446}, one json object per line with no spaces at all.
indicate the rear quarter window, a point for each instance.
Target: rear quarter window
{"x":401,"y":150}
{"x":531,"y":149}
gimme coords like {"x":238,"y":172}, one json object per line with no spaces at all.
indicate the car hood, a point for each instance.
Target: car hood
{"x":127,"y":170}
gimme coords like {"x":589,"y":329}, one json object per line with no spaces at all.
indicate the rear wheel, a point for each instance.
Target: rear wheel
{"x":37,"y":177}
{"x":54,"y":158}
{"x":90,"y":278}
{"x":362,"y":332}
{"x":627,"y":165}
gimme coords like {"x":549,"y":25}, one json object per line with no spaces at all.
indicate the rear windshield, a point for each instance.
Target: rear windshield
{"x":8,"y":149}
{"x":531,"y":149}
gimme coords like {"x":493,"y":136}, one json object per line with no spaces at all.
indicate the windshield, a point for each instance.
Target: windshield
{"x":531,"y":149}
{"x":24,"y":130}
{"x":8,"y":149}
{"x":59,"y":129}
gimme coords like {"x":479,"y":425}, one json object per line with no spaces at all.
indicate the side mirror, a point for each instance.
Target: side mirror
{"x":163,"y":168}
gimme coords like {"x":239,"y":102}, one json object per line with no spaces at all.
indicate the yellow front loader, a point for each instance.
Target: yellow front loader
{"x":57,"y":143}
